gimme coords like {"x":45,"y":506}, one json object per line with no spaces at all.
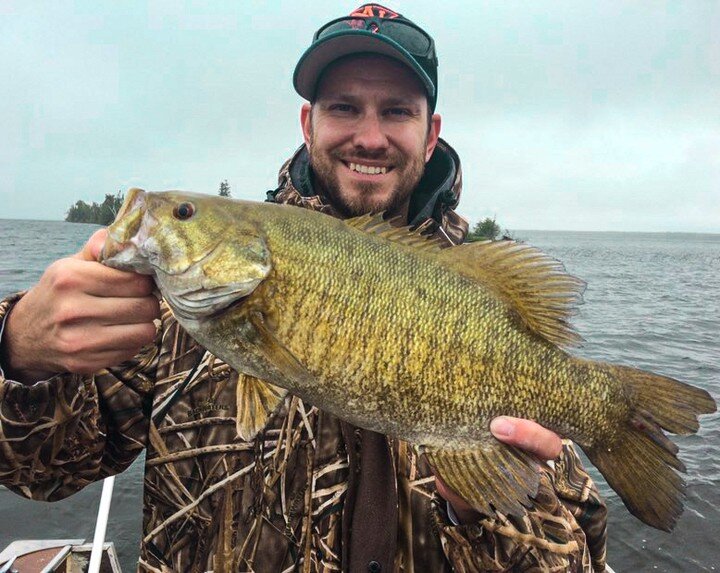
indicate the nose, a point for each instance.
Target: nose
{"x":370,"y":134}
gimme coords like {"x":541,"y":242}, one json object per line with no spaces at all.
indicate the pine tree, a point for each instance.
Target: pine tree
{"x":485,"y":230}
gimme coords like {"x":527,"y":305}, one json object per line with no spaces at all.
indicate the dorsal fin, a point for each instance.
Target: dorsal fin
{"x":533,"y":283}
{"x":376,"y":224}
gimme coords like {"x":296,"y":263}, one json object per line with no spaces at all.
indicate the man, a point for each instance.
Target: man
{"x":88,"y":383}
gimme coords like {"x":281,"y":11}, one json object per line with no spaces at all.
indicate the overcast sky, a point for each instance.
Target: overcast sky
{"x":566,"y":115}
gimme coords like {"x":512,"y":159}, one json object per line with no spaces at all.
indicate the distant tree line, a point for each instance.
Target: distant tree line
{"x":100,"y":214}
{"x":104,"y":213}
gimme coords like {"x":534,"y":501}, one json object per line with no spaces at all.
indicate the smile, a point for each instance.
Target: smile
{"x":367,"y":169}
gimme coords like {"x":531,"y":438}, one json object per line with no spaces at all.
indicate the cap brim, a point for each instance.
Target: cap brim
{"x":343,"y":43}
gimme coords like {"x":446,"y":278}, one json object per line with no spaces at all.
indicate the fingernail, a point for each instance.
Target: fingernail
{"x":502,"y":426}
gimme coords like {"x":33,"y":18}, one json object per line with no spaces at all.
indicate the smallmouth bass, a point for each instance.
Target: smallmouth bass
{"x":394,"y":333}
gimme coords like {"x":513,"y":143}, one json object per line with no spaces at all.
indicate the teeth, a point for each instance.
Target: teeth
{"x":368,"y":169}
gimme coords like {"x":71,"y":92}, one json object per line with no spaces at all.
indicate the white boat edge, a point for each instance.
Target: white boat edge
{"x":68,"y":551}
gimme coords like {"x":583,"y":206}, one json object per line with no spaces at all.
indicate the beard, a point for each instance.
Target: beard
{"x":363,"y":198}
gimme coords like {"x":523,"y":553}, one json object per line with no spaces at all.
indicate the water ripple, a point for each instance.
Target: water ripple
{"x":651,"y":303}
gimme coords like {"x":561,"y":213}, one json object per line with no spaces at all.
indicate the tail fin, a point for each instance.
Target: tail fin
{"x":640,"y":465}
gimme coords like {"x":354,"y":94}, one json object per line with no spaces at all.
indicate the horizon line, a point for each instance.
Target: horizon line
{"x":509,"y":229}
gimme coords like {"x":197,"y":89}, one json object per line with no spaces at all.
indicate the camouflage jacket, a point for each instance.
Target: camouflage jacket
{"x":310,"y":494}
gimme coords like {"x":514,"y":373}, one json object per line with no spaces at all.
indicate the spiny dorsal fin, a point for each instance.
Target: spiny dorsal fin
{"x":403,"y":235}
{"x":533,"y":283}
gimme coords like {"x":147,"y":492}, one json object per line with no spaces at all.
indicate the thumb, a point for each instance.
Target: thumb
{"x":527,"y":435}
{"x":91,"y":249}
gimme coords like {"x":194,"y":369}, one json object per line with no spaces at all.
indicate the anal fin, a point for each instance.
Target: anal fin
{"x":494,"y":477}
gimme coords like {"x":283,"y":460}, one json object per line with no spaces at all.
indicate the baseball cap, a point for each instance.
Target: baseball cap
{"x":371,"y":28}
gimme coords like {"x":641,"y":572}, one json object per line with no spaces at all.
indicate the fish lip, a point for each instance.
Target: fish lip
{"x":135,"y":253}
{"x":140,"y":253}
{"x":125,"y":258}
{"x":198,"y":263}
{"x":113,"y":245}
{"x":151,"y":253}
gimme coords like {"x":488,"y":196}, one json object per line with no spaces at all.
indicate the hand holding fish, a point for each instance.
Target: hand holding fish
{"x":526,"y":435}
{"x":80,"y":317}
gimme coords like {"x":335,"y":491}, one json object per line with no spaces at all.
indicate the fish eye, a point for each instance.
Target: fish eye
{"x":184,"y":211}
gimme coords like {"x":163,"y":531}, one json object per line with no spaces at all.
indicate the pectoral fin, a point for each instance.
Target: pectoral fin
{"x":494,"y":478}
{"x":256,"y":401}
{"x":275,"y":354}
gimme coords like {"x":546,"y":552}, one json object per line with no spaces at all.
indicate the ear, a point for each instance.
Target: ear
{"x":433,"y":136}
{"x":305,"y":123}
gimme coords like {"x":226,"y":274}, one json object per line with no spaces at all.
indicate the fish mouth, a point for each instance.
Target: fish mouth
{"x":131,"y":244}
{"x":128,"y":246}
{"x":123,"y":257}
{"x":121,"y":249}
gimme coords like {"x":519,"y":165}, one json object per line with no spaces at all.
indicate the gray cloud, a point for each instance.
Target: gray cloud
{"x":567,"y":115}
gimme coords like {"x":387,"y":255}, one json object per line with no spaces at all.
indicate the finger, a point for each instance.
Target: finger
{"x":463,"y":510}
{"x":448,"y":493}
{"x":86,"y":344}
{"x":91,"y":249}
{"x":106,"y":359}
{"x":122,"y":284}
{"x":129,"y":337}
{"x":101,"y":281}
{"x":127,"y":310}
{"x":86,"y":350}
{"x":527,"y":435}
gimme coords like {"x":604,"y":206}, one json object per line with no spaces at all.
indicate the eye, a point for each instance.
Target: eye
{"x":398,"y":112}
{"x":184,"y":211}
{"x":341,"y":108}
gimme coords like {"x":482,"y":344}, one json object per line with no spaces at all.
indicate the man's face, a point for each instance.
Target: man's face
{"x":367,"y":134}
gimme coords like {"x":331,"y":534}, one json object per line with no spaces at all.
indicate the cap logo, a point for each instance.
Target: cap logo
{"x":374,"y":11}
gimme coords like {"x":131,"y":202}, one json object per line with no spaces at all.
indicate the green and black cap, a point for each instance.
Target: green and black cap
{"x":369,"y":29}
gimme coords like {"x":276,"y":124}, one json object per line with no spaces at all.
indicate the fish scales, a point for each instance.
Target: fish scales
{"x":352,"y":349}
{"x":405,"y":340}
{"x":395,"y":334}
{"x":386,"y":344}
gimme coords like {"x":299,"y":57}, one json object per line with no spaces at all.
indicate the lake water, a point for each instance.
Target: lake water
{"x":652,"y":301}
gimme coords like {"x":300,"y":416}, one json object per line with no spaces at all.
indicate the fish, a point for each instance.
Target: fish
{"x":394,"y":331}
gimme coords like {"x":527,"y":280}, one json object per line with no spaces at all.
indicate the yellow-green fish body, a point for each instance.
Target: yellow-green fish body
{"x":397,"y":334}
